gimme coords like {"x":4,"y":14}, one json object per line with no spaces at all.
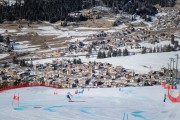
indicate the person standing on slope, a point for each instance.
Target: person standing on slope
{"x":69,"y":96}
{"x":164,"y":98}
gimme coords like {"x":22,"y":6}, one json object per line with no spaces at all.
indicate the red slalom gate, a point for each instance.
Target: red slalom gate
{"x":167,"y":86}
{"x":174,"y":99}
{"x":28,"y":85}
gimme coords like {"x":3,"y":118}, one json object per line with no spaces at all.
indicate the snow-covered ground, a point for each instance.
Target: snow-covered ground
{"x":160,"y":44}
{"x":133,"y":103}
{"x":3,"y":56}
{"x":142,"y":63}
{"x":2,"y":31}
{"x":90,"y":28}
{"x":43,"y":61}
{"x":25,"y":47}
{"x":161,"y":14}
{"x":177,"y":34}
{"x":50,"y":30}
{"x":121,"y":26}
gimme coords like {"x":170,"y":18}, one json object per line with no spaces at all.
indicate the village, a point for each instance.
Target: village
{"x":75,"y":74}
{"x":68,"y":71}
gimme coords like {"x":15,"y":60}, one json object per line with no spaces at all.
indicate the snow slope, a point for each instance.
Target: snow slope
{"x":136,"y":103}
{"x":153,"y":61}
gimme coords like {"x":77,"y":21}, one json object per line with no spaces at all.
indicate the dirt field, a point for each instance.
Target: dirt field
{"x":32,"y":37}
{"x":97,"y":23}
{"x":54,"y":42}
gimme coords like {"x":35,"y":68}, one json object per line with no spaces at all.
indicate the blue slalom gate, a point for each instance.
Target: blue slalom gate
{"x":125,"y":117}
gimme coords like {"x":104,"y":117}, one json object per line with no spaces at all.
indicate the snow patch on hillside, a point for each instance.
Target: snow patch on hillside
{"x":3,"y":56}
{"x":142,"y":63}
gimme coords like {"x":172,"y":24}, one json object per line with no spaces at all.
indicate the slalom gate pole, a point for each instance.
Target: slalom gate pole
{"x":12,"y":102}
{"x":13,"y":99}
{"x":18,"y":99}
{"x":124,"y":117}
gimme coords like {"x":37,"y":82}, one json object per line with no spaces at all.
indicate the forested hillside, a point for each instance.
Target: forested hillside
{"x":54,"y":10}
{"x":140,"y":7}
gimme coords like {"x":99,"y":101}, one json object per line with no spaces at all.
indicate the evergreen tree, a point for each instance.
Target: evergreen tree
{"x":150,"y":50}
{"x":54,"y":10}
{"x":104,"y":55}
{"x":114,"y":54}
{"x":90,"y":49}
{"x":75,"y":61}
{"x":1,"y":38}
{"x":109,"y":54}
{"x":15,"y":60}
{"x":119,"y":52}
{"x":154,"y":50}
{"x":79,"y":61}
{"x":143,"y":50}
{"x":158,"y":49}
{"x":22,"y":63}
{"x":8,"y":41}
{"x":172,"y":39}
{"x":125,"y":52}
{"x":99,"y":54}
